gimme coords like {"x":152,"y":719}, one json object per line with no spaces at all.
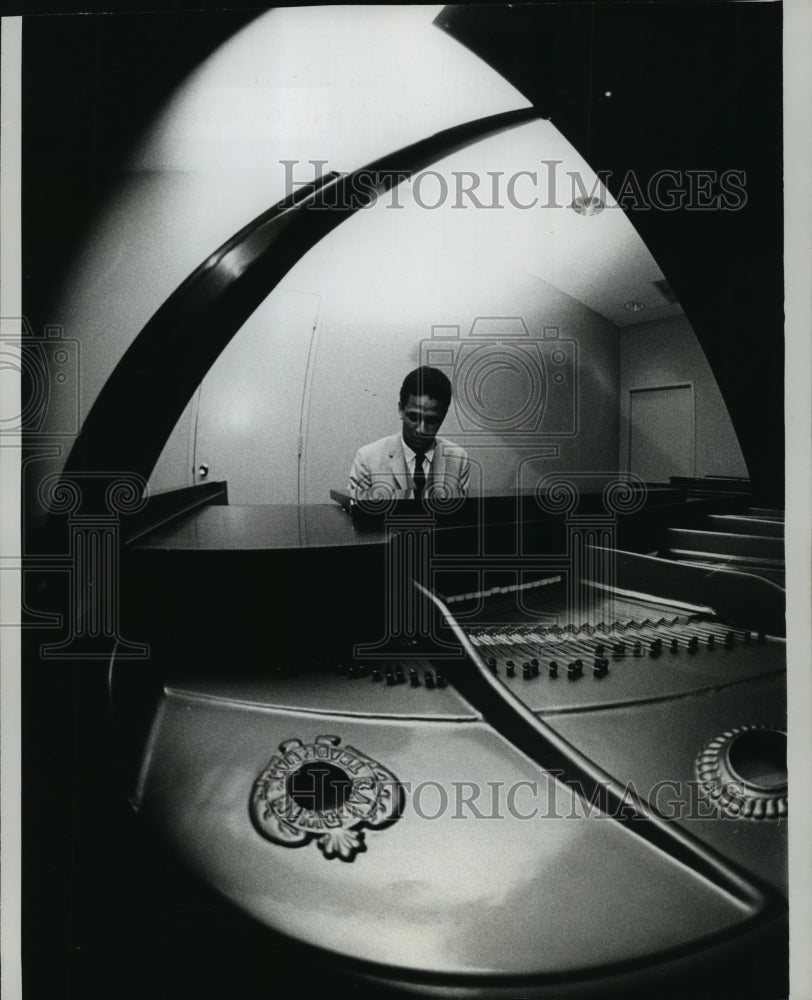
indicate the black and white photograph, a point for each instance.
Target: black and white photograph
{"x":395,"y":407}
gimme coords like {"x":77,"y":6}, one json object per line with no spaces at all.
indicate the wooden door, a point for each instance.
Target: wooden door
{"x":662,"y":432}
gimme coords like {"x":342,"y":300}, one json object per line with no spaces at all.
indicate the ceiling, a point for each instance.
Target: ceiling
{"x":600,"y":260}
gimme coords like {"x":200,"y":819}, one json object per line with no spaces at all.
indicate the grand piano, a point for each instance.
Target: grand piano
{"x":533,"y":773}
{"x":524,"y":745}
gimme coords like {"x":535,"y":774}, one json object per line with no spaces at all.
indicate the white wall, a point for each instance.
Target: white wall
{"x":384,"y":279}
{"x":668,"y":352}
{"x":367,"y":343}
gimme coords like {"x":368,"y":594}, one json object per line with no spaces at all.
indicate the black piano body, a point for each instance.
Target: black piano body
{"x":561,"y":748}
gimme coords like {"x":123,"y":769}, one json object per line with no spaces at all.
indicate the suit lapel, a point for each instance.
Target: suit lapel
{"x":438,"y":466}
{"x":397,"y":463}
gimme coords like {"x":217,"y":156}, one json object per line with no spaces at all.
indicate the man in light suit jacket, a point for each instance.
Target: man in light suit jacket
{"x":414,"y":461}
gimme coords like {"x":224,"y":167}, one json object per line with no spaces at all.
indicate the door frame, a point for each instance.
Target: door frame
{"x":655,"y":388}
{"x":304,"y":414}
{"x":314,"y":302}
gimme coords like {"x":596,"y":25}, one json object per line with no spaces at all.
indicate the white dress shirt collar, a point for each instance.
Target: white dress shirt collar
{"x":410,"y":456}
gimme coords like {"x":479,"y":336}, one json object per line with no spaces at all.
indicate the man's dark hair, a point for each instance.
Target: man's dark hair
{"x":427,"y":381}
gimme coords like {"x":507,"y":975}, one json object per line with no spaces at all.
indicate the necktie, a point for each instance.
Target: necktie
{"x":419,"y":476}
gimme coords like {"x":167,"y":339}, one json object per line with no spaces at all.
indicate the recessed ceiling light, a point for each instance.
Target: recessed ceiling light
{"x":587,"y":206}
{"x":634,"y":307}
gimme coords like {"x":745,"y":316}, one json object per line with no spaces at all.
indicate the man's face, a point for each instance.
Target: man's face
{"x":421,"y":418}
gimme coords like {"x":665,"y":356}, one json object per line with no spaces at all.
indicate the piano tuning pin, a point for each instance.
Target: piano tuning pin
{"x":376,"y":674}
{"x":428,"y":679}
{"x":527,"y":673}
{"x":674,"y":645}
{"x":746,"y":638}
{"x":710,"y":642}
{"x":413,"y":678}
{"x":441,"y":681}
{"x":552,"y":668}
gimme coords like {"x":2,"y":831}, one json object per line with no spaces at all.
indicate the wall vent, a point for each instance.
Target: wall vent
{"x":666,"y":291}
